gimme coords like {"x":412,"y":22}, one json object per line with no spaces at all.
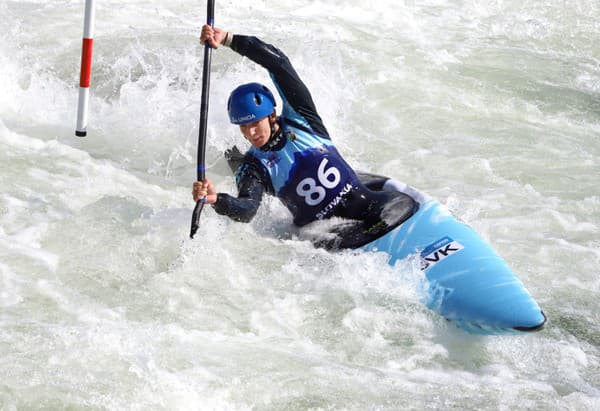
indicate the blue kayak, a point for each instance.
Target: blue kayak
{"x":468,"y":283}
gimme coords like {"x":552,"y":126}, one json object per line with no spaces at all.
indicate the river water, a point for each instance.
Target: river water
{"x":491,"y":107}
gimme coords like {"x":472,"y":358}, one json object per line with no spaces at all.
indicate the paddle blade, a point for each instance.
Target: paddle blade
{"x":196,"y":216}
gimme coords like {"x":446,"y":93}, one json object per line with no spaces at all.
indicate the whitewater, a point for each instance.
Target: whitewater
{"x":491,"y":107}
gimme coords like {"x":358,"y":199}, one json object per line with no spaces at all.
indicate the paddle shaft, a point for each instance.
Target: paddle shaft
{"x":200,"y":159}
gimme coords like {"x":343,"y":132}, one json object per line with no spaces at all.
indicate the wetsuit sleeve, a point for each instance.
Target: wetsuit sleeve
{"x":251,"y":186}
{"x":297,"y":101}
{"x":243,"y":208}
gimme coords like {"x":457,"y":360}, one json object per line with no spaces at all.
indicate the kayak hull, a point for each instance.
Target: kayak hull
{"x":468,"y":283}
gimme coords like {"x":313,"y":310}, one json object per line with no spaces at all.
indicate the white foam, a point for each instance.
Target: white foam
{"x":106,"y":303}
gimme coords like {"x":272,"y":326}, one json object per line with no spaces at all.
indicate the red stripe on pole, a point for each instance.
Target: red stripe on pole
{"x":86,"y":62}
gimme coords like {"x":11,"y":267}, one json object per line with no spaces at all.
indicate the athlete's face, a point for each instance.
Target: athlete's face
{"x":258,"y":132}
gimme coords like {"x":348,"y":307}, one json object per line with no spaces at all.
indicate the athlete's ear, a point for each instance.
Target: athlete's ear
{"x":273,"y":121}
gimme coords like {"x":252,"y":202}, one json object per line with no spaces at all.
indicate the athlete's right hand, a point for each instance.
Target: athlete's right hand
{"x":215,"y":36}
{"x":204,"y":189}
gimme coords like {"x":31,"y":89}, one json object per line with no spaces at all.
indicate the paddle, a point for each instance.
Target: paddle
{"x":210,"y":19}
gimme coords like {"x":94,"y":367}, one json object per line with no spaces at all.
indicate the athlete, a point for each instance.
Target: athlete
{"x":293,"y":157}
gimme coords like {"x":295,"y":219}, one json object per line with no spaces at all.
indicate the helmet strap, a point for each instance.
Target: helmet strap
{"x":275,"y":134}
{"x":272,"y":123}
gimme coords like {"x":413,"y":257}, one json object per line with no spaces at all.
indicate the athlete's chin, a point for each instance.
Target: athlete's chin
{"x":259,"y":142}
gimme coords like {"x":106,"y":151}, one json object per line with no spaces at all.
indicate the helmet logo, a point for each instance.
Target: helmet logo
{"x":246,"y":118}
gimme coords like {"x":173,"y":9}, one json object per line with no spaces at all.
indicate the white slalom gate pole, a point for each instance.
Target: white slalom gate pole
{"x":86,"y":69}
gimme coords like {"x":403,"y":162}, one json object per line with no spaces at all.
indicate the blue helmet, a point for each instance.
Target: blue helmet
{"x":250,"y":102}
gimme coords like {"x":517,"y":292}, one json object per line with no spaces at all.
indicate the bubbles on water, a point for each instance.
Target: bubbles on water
{"x":106,"y":303}
{"x":589,"y":80}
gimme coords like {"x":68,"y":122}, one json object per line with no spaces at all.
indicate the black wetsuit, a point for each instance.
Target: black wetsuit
{"x":301,"y":166}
